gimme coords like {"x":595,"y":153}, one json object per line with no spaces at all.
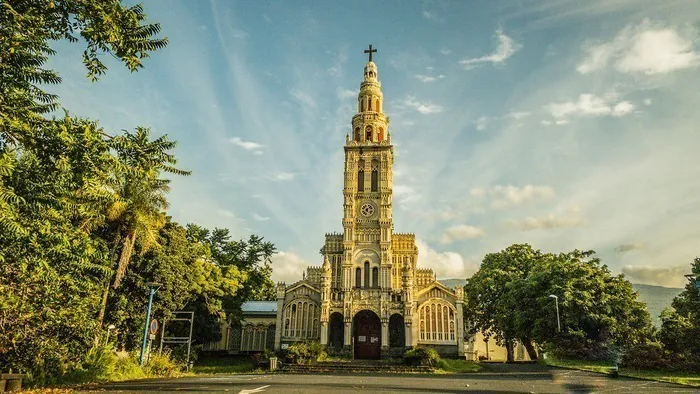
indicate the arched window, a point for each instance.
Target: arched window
{"x":377,"y":107}
{"x":366,"y":274}
{"x":375,"y":277}
{"x":375,"y":175}
{"x":299,"y":316}
{"x":397,"y":331}
{"x":437,"y":322}
{"x":362,"y":105}
{"x":368,"y":133}
{"x":361,"y":176}
{"x":380,"y":136}
{"x":358,"y":136}
{"x":358,"y":277}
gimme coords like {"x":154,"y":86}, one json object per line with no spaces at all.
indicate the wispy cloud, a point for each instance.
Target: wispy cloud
{"x":282,"y":176}
{"x":505,"y":49}
{"x":482,"y":122}
{"x":589,"y":105}
{"x":571,"y":218}
{"x":624,"y":248}
{"x":461,"y":232}
{"x":505,"y":196}
{"x":259,"y":217}
{"x":643,"y":48}
{"x":303,"y":97}
{"x":429,"y":78}
{"x":247,"y":145}
{"x":423,"y":107}
{"x":429,"y":15}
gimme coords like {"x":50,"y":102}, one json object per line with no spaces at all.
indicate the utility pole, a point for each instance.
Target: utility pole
{"x":152,"y":288}
{"x":556,"y":304}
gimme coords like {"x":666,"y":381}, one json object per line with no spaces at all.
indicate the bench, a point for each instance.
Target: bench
{"x":11,"y":381}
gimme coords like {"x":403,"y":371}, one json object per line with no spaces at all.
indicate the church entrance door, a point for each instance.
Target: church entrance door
{"x":367,"y":335}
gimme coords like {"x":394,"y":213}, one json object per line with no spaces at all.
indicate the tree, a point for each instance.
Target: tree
{"x":487,"y":302}
{"x":138,"y":210}
{"x":508,"y":298}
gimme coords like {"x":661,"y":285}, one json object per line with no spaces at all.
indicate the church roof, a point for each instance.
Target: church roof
{"x":259,"y":307}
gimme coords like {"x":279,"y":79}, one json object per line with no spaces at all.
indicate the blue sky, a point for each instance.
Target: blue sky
{"x":564,"y":124}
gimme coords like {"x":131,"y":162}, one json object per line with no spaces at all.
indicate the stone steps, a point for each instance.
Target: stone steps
{"x":353,"y":367}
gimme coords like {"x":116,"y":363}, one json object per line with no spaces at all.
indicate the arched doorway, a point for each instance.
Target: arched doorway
{"x":367,"y":335}
{"x":397,"y":331}
{"x":337,"y":329}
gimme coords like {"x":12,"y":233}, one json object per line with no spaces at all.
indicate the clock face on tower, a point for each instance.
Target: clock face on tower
{"x":367,"y":209}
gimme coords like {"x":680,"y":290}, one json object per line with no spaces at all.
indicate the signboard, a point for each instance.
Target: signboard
{"x":361,"y":338}
{"x":153,"y":328}
{"x":285,"y":346}
{"x":374,"y":339}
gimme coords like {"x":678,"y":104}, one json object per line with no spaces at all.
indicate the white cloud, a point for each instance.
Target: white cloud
{"x":445,"y":51}
{"x":481,"y":123}
{"x":303,"y":97}
{"x":429,"y":15}
{"x":404,"y":194}
{"x":508,"y":195}
{"x":428,"y":78}
{"x":589,"y":105}
{"x":461,"y":232}
{"x":624,"y":248}
{"x":444,"y":264}
{"x":519,"y":115}
{"x":344,"y":94}
{"x":506,"y":48}
{"x":239,"y":34}
{"x":247,"y":145}
{"x":226,"y":213}
{"x":572,"y":218}
{"x":287,"y":267}
{"x":642,"y":48}
{"x":622,"y":108}
{"x":259,"y":217}
{"x":647,"y":101}
{"x":424,"y":108}
{"x":669,"y":277}
{"x":283,"y":176}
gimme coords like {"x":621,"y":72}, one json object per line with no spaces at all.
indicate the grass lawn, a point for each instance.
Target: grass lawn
{"x":223,"y":364}
{"x":458,"y":366}
{"x":691,"y":379}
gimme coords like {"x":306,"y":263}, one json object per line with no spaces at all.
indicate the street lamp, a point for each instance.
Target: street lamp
{"x":556,"y":304}
{"x":109,"y":328}
{"x":152,"y":288}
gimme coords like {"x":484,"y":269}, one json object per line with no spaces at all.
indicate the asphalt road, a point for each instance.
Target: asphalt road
{"x":521,"y":381}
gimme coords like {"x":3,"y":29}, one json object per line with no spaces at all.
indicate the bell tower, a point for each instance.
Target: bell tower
{"x":367,"y":213}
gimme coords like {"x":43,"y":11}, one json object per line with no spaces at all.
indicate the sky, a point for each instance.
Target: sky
{"x":565,"y":124}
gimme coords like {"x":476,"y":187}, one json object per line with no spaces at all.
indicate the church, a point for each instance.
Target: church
{"x":368,"y":299}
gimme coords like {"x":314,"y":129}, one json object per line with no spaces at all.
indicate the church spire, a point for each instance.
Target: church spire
{"x":370,"y":125}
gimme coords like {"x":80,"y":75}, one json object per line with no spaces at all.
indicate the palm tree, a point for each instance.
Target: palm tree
{"x":138,"y":210}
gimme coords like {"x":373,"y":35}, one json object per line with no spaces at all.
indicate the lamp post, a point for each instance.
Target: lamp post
{"x":152,"y":288}
{"x":556,"y":304}
{"x":109,"y":328}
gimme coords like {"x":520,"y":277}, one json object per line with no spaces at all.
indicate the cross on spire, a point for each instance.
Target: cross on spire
{"x":370,"y":51}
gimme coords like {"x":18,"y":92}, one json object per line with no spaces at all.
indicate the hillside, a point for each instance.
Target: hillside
{"x":656,"y":297}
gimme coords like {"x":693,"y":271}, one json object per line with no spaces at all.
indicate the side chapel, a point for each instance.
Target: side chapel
{"x":368,"y":298}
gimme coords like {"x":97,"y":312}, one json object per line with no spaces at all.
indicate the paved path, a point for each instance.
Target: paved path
{"x":522,"y":380}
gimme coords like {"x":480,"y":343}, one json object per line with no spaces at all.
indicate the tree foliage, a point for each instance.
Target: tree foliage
{"x":509,"y":298}
{"x":82,"y":208}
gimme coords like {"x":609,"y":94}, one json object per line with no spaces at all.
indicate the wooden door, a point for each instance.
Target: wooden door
{"x":368,"y":335}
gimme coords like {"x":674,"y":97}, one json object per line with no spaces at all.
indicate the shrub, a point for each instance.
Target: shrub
{"x":306,"y":351}
{"x":421,"y":356}
{"x":162,"y":364}
{"x":645,"y":356}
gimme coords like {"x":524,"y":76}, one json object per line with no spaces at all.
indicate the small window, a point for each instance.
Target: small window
{"x":375,"y":277}
{"x":358,"y":277}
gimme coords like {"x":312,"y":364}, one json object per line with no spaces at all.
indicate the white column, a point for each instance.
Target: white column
{"x":459,"y":324}
{"x":385,"y":332}
{"x":324,"y":333}
{"x":348,"y":333}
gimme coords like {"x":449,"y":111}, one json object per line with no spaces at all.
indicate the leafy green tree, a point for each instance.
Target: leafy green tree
{"x":509,"y":298}
{"x":27,"y":28}
{"x":138,"y":210}
{"x":487,"y":302}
